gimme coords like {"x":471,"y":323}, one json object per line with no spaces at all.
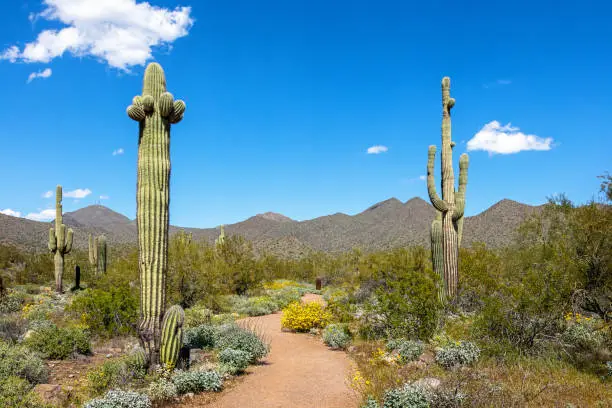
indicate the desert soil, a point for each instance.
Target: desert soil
{"x":299,"y":372}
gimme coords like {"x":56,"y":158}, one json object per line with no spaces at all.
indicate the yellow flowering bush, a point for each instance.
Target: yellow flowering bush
{"x":302,"y":317}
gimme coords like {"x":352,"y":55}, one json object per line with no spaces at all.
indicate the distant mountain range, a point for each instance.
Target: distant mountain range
{"x":384,"y":225}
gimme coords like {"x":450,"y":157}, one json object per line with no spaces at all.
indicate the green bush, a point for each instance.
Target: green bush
{"x":19,"y":361}
{"x":116,"y":373}
{"x":108,"y":312}
{"x":237,"y":338}
{"x":406,"y":396}
{"x":58,"y":343}
{"x":197,"y":315}
{"x":16,"y":392}
{"x":12,"y":327}
{"x":457,"y":354}
{"x":234,"y":361}
{"x":337,"y":336}
{"x":12,"y":302}
{"x":196,"y":381}
{"x":407,"y":350}
{"x":162,"y":390}
{"x":120,"y":399}
{"x":201,"y":337}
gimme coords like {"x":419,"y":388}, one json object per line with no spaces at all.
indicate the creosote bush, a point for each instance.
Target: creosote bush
{"x":58,"y":343}
{"x":301,"y":317}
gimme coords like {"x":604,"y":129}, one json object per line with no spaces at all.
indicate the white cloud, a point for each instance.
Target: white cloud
{"x":422,"y":178}
{"x":44,"y":215}
{"x":10,"y":212}
{"x":495,"y":138}
{"x":48,"y":194}
{"x":78,"y":193}
{"x":45,"y":73}
{"x":504,"y":82}
{"x":104,"y":197}
{"x":377,"y":149}
{"x":120,"y":33}
{"x":119,"y":151}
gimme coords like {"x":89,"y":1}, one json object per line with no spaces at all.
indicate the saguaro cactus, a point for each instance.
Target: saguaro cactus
{"x":447,"y":228}
{"x":77,"y":279}
{"x":60,"y":241}
{"x":172,"y":336}
{"x":221,"y":238}
{"x":97,"y":253}
{"x":155,"y":111}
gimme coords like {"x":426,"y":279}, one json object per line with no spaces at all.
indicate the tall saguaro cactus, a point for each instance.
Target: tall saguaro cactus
{"x":155,"y":111}
{"x":447,"y":228}
{"x":221,"y":238}
{"x":97,"y":253}
{"x":60,"y":241}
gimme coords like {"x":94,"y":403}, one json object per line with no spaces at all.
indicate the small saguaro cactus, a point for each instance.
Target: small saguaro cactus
{"x":97,"y":253}
{"x":221,"y":238}
{"x":155,"y":111}
{"x":60,"y":241}
{"x":172,"y":336}
{"x":447,"y":228}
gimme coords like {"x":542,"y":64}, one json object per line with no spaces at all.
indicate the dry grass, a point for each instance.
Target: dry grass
{"x":526,"y":382}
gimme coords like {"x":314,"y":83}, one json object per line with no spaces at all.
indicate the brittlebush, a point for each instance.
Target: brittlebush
{"x":302,"y":317}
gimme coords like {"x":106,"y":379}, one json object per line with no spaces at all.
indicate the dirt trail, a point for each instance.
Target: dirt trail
{"x":299,"y":372}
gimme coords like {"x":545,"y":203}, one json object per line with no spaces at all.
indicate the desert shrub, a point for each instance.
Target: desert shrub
{"x":58,"y":342}
{"x":302,"y":317}
{"x":237,"y":338}
{"x":370,"y":403}
{"x":202,"y":336}
{"x":457,"y":354}
{"x":115,"y":373}
{"x":12,"y":302}
{"x":197,"y":315}
{"x":12,"y":327}
{"x":284,"y":296}
{"x":258,"y":306}
{"x":581,"y":334}
{"x":19,"y":361}
{"x":405,"y":301}
{"x":609,"y":367}
{"x":120,"y":399}
{"x":406,"y":396}
{"x":108,"y":312}
{"x":197,"y":381}
{"x":407,"y":350}
{"x":15,"y":392}
{"x":162,"y":390}
{"x":234,"y":361}
{"x":337,"y":336}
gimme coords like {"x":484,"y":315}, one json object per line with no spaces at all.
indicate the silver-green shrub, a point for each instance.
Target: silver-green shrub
{"x":162,"y":390}
{"x":202,"y":336}
{"x":457,"y":354}
{"x":120,"y":399}
{"x":407,"y":350}
{"x":237,"y":338}
{"x":196,"y":381}
{"x":21,"y":362}
{"x":406,"y":396}
{"x":234,"y":361}
{"x":336,"y":336}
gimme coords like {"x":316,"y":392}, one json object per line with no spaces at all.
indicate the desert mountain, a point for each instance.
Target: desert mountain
{"x":384,"y":225}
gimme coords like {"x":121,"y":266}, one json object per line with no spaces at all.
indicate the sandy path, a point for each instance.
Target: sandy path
{"x":299,"y":372}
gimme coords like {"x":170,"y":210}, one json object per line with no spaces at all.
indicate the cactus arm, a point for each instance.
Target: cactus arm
{"x":52,"y":240}
{"x":68,"y":245}
{"x":435,"y":199}
{"x":172,"y":336}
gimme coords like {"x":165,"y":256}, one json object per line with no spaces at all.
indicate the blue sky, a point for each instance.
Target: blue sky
{"x":284,"y":99}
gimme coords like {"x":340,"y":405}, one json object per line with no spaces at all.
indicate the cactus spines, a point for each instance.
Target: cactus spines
{"x":60,"y":241}
{"x":221,"y":239}
{"x":452,"y":204}
{"x":156,"y":110}
{"x":172,"y":336}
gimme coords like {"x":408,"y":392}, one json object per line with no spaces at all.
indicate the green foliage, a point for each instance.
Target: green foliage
{"x":107,"y":312}
{"x":196,"y":381}
{"x":201,"y":337}
{"x":16,"y":392}
{"x":12,"y":327}
{"x":407,"y":350}
{"x":21,"y":362}
{"x":12,"y":301}
{"x":162,"y":390}
{"x":238,"y":338}
{"x":337,"y":335}
{"x":457,"y":354}
{"x":116,"y":373}
{"x":120,"y":399}
{"x":406,"y":396}
{"x":234,"y":361}
{"x":405,"y":300}
{"x":59,"y":342}
{"x":197,"y":315}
